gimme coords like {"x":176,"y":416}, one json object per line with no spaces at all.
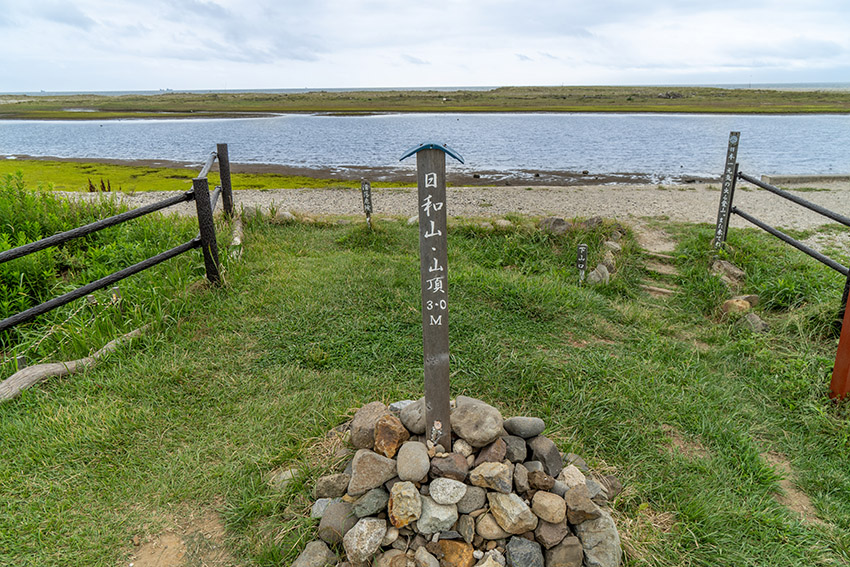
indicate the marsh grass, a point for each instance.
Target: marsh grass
{"x":76,"y":176}
{"x":321,"y":318}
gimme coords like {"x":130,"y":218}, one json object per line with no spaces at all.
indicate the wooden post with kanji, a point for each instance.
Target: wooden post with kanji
{"x":433,"y":262}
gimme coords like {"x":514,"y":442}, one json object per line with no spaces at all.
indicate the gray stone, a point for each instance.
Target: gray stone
{"x":550,"y":535}
{"x":729,"y":273}
{"x":316,"y":554}
{"x":555,"y":225}
{"x":600,"y":542}
{"x":332,"y":486}
{"x":466,"y":528}
{"x":573,"y":459}
{"x":447,"y":491}
{"x":363,"y":424}
{"x":544,"y":450}
{"x":559,"y":488}
{"x":405,"y":505}
{"x":493,"y":476}
{"x":396,"y":407}
{"x":364,"y":539}
{"x":478,"y":423}
{"x":516,"y":450}
{"x":612,"y":246}
{"x":595,"y":490}
{"x":371,"y":503}
{"x":369,"y":470}
{"x":613,"y":487}
{"x":424,"y":559}
{"x":754,"y":323}
{"x":319,"y":507}
{"x":279,"y":479}
{"x":521,"y":478}
{"x":523,"y":553}
{"x":413,"y":417}
{"x":572,"y":476}
{"x":533,"y":466}
{"x":336,"y":521}
{"x":599,"y":276}
{"x":413,"y":461}
{"x":390,"y":537}
{"x":512,"y":514}
{"x":609,"y":261}
{"x":436,"y":517}
{"x":580,"y":508}
{"x":474,"y":499}
{"x":525,"y":427}
{"x":568,"y":553}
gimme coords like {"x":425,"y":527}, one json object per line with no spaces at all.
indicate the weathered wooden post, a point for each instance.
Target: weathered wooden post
{"x":433,"y":264}
{"x":224,"y":173}
{"x":366,"y":190}
{"x":727,"y":192}
{"x":201,"y":187}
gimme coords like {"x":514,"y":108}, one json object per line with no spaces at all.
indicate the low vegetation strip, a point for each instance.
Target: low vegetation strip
{"x":321,"y":317}
{"x":504,"y":99}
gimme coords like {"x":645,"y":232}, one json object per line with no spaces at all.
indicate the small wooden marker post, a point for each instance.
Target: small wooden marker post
{"x":366,"y":190}
{"x":581,"y":262}
{"x":433,"y":263}
{"x":727,"y":193}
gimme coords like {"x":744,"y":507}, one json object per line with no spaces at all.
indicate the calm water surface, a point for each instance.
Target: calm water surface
{"x":658,"y":144}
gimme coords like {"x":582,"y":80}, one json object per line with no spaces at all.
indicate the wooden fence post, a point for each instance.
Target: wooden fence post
{"x":224,"y":172}
{"x":433,"y":264}
{"x":209,"y":246}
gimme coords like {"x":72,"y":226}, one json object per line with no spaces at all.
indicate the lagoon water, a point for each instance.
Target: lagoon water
{"x":661,"y":145}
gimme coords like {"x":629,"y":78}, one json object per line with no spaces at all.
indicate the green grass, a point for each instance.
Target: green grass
{"x":76,"y":176}
{"x":504,"y":99}
{"x":319,"y":319}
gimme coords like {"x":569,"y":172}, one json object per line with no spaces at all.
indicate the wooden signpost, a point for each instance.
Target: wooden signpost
{"x":433,"y":263}
{"x":366,"y":190}
{"x":727,"y":192}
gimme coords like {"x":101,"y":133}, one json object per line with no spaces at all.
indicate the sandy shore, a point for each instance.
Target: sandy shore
{"x":697,"y":202}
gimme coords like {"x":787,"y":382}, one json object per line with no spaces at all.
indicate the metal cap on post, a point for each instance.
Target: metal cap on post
{"x":433,"y":263}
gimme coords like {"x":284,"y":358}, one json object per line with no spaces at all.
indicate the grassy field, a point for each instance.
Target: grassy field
{"x":504,"y":99}
{"x":76,"y":176}
{"x":176,"y":436}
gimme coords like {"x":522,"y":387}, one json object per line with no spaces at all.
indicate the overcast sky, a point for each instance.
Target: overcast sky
{"x":98,"y":45}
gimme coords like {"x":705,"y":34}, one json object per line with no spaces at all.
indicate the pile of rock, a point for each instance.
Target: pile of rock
{"x":501,"y":495}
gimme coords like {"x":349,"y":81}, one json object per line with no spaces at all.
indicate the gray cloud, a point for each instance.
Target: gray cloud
{"x":522,"y":57}
{"x":414,"y":60}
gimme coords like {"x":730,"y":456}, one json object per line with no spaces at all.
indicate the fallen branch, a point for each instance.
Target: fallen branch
{"x":12,"y":386}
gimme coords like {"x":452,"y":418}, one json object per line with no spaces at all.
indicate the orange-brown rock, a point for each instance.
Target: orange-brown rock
{"x":390,"y":433}
{"x":456,"y":553}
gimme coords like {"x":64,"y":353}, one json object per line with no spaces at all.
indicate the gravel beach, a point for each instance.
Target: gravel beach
{"x":697,"y":202}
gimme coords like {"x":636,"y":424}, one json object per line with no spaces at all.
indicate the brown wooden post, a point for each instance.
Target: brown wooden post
{"x":207,"y":228}
{"x":433,"y":263}
{"x":224,"y":172}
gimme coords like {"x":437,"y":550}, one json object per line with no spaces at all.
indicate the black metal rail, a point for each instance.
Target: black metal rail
{"x":205,"y":205}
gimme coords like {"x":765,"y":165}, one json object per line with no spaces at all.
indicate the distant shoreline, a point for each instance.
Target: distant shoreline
{"x":222,"y":104}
